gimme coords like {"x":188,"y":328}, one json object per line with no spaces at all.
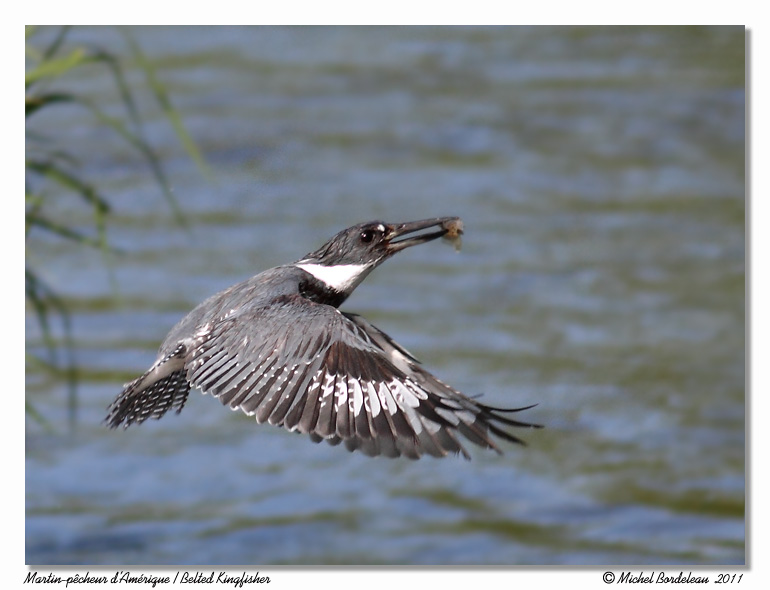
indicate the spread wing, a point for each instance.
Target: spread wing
{"x":338,"y":378}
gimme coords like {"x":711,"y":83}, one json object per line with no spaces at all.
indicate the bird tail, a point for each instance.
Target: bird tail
{"x":162,"y":388}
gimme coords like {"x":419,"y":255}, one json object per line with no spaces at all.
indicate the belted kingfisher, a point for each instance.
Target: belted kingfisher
{"x":276,"y":347}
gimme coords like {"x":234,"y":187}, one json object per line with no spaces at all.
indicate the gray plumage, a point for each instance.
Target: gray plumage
{"x":276,"y":347}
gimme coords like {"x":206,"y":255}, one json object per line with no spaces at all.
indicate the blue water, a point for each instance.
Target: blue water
{"x":600,"y":176}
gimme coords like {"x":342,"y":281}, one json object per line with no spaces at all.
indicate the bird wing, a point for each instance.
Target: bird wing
{"x":335,"y":377}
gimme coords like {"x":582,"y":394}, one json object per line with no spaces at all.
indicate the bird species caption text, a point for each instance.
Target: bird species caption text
{"x":150,"y":580}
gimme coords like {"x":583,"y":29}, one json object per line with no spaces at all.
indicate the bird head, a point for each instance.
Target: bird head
{"x":346,"y":259}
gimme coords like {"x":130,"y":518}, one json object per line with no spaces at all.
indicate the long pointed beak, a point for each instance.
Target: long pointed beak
{"x":445,"y":225}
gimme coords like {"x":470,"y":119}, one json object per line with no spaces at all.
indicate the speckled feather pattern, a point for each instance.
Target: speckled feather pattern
{"x":263,"y":348}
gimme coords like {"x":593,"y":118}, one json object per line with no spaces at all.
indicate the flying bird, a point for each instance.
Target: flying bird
{"x":277,"y":347}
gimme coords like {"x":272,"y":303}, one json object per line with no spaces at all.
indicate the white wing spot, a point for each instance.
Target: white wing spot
{"x":358,"y":397}
{"x":341,"y":393}
{"x":386,"y":399}
{"x":327,"y":389}
{"x":374,"y":400}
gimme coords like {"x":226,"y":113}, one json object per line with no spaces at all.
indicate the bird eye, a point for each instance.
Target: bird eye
{"x":367,"y":236}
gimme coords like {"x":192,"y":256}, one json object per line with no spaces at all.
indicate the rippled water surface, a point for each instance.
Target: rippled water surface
{"x":600,"y":175}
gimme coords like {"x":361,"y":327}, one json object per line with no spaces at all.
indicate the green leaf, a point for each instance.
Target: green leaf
{"x":51,"y":169}
{"x":165,"y":104}
{"x":35,"y":102}
{"x":54,"y":68}
{"x":70,"y":181}
{"x":32,"y":412}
